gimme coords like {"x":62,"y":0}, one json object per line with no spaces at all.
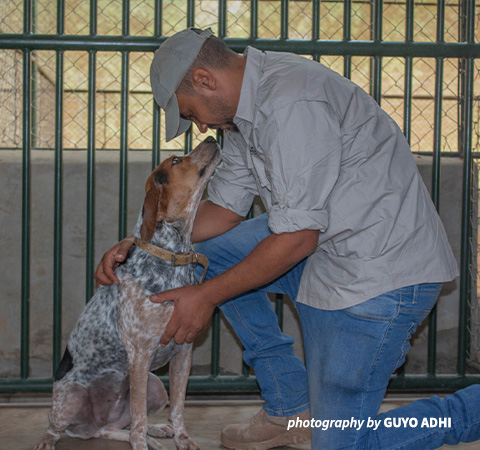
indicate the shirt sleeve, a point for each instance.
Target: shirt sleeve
{"x":304,"y":166}
{"x":233,"y":186}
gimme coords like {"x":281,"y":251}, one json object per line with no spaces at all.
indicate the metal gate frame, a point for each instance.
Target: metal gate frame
{"x":467,"y":50}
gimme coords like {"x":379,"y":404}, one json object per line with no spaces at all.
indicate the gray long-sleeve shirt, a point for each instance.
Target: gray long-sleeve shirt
{"x":323,"y":155}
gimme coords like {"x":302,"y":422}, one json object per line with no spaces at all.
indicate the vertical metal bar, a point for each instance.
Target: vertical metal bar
{"x":254,"y":19}
{"x":222,"y":18}
{"x":377,"y":79}
{"x":316,"y":26}
{"x":93,"y":17}
{"x":438,"y":110}
{"x":122,"y":218}
{"x":92,"y":62}
{"x":461,"y":77}
{"x":466,"y":253}
{"x":347,"y":36}
{"x":284,"y":19}
{"x":215,"y":360}
{"x":279,"y":309}
{"x":190,"y":13}
{"x":34,"y":78}
{"x":26,"y":199}
{"x":407,"y":103}
{"x":58,"y":202}
{"x":156,"y":110}
{"x":377,"y":60}
{"x":190,"y":23}
{"x":158,"y":18}
{"x":188,"y":140}
{"x":155,"y":135}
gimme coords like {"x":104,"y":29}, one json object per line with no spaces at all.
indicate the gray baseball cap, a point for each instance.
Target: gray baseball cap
{"x":170,"y":64}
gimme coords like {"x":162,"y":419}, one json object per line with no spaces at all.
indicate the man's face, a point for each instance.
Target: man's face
{"x":207,"y":112}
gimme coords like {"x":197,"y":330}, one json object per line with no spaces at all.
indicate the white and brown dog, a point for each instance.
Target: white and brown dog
{"x":103,"y":384}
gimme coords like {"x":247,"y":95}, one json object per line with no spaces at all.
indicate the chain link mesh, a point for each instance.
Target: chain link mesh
{"x":174,"y":16}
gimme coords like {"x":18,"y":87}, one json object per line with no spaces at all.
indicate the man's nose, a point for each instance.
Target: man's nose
{"x":201,"y":126}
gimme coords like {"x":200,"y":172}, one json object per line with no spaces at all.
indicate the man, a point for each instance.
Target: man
{"x":350,"y":235}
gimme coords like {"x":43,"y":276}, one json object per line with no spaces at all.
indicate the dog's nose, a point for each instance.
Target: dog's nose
{"x":210,"y":140}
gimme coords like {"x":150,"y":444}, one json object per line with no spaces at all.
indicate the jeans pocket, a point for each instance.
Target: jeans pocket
{"x":383,"y":308}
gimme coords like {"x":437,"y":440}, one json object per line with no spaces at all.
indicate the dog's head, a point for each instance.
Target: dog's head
{"x":174,"y":189}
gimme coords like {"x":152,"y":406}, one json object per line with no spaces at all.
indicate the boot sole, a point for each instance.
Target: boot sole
{"x":285,"y":439}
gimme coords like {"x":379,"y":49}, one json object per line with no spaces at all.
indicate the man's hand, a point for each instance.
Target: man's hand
{"x":104,"y":275}
{"x":191,"y":314}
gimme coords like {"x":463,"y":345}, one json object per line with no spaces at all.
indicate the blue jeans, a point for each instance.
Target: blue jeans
{"x":350,"y":355}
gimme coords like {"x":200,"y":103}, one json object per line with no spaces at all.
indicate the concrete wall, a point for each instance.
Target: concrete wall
{"x":106,"y":231}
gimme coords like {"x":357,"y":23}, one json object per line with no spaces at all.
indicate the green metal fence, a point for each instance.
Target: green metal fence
{"x":417,"y":58}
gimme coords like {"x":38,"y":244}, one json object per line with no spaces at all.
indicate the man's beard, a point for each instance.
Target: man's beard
{"x":222,"y":110}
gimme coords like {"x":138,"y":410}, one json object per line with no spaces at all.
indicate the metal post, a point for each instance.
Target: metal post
{"x":58,"y":206}
{"x":156,"y":109}
{"x":347,"y":35}
{"x":377,"y":60}
{"x":122,"y":216}
{"x":407,"y":111}
{"x":92,"y":70}
{"x":466,"y":254}
{"x":26,"y":200}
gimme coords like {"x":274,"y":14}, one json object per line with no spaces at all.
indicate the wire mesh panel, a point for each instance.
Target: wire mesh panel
{"x":79,"y":132}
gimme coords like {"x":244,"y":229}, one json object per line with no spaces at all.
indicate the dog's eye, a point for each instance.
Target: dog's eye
{"x":176,"y":160}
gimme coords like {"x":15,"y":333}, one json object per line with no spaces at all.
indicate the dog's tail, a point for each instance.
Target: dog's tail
{"x":65,"y":366}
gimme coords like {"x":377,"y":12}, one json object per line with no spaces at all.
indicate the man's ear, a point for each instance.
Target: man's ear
{"x":203,"y":78}
{"x":150,"y":213}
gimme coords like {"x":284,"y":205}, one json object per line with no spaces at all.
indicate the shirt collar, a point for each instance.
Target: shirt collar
{"x":251,"y":79}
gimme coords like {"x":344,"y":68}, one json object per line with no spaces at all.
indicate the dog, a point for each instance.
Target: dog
{"x":103,"y":383}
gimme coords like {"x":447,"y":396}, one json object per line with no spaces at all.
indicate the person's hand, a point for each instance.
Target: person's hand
{"x":191,"y":314}
{"x":104,"y":275}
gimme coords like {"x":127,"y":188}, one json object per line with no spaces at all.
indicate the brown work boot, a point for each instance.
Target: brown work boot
{"x":264,"y":432}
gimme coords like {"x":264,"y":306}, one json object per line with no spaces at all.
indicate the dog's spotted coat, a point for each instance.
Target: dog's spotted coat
{"x":103,"y":383}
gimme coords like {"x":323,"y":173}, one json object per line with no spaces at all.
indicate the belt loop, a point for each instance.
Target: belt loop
{"x":415,"y":294}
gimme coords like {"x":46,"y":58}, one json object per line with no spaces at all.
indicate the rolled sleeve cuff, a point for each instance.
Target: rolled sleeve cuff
{"x":282,"y":220}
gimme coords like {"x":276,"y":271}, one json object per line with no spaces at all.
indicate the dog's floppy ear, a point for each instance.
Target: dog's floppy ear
{"x":150,"y":210}
{"x":153,"y":212}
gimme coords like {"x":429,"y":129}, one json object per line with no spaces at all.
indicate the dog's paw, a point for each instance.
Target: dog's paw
{"x":48,"y":442}
{"x":162,"y":430}
{"x":45,"y":445}
{"x":153,"y":444}
{"x":185,"y":443}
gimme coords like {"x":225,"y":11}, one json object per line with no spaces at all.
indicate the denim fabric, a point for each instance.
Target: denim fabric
{"x":281,"y":375}
{"x":350,"y":355}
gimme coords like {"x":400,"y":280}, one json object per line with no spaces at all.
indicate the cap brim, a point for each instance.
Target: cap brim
{"x":174,"y":124}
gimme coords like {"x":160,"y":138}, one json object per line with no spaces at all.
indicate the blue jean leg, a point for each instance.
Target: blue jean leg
{"x":280,"y":374}
{"x":350,"y":356}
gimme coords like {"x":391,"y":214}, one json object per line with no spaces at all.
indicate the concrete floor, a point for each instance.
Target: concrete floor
{"x":22,"y":425}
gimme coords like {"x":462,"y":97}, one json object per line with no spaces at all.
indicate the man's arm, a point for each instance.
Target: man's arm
{"x":271,"y":258}
{"x":211,"y":220}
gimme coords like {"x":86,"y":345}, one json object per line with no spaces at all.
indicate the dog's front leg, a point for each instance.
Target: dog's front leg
{"x":179,"y":371}
{"x":139,"y":362}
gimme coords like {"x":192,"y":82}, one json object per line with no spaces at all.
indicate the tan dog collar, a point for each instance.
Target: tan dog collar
{"x":177,"y":259}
